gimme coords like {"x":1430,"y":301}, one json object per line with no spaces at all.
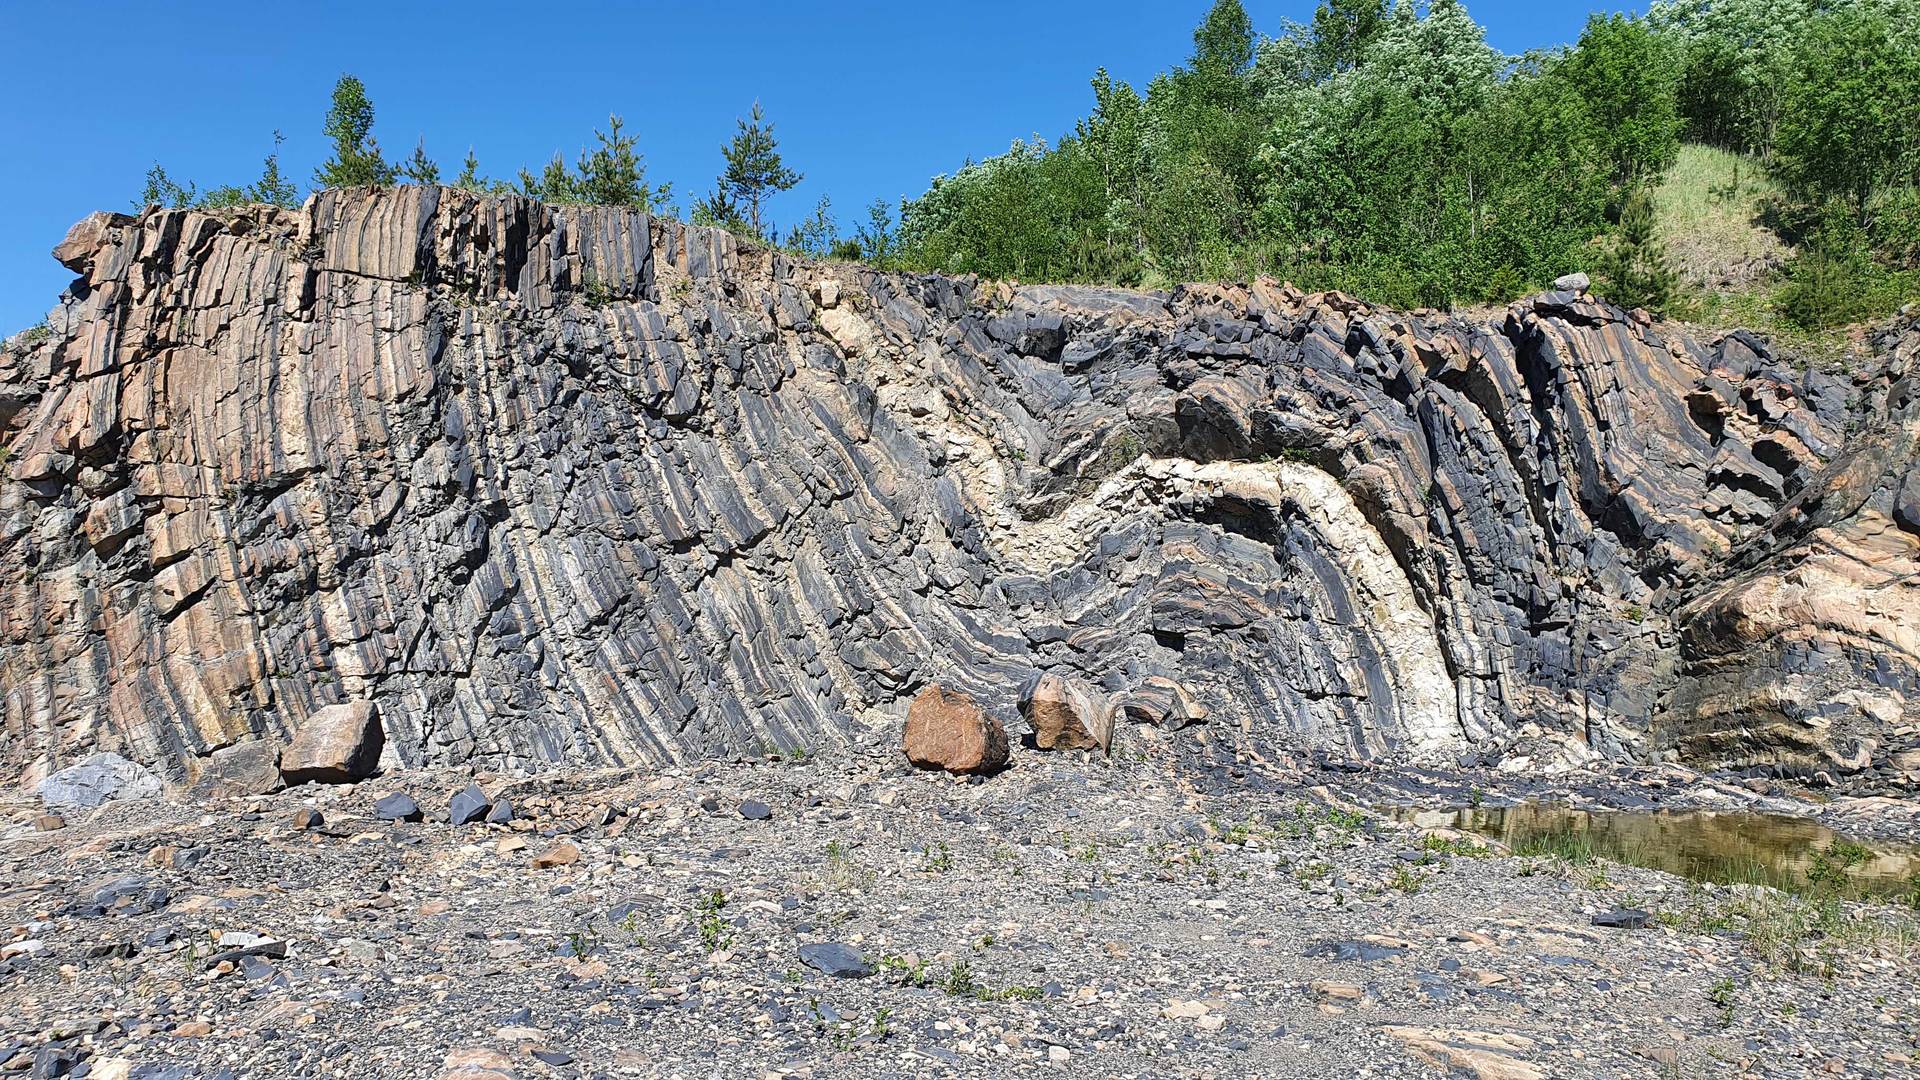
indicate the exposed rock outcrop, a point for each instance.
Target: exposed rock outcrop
{"x":575,"y":485}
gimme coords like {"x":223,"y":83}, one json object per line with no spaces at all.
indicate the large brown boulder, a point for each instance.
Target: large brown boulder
{"x":248,"y":768}
{"x":1067,"y":714}
{"x":947,"y":730}
{"x":337,"y":745}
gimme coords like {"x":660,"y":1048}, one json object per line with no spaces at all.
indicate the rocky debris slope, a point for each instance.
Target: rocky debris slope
{"x":547,"y":485}
{"x":844,"y":916}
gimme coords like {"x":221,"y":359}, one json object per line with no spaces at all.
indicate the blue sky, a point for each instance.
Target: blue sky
{"x":869,"y":98}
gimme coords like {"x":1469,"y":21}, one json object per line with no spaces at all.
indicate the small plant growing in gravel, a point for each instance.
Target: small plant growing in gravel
{"x":960,"y":982}
{"x":581,"y":942}
{"x":907,"y":974}
{"x":631,"y":927}
{"x":1346,"y":820}
{"x":1405,"y":880}
{"x":936,"y":858}
{"x":1005,"y":856}
{"x":1721,"y":994}
{"x":1313,"y":872}
{"x":983,"y":942}
{"x":880,"y":1027}
{"x":716,"y":933}
{"x":844,"y":872}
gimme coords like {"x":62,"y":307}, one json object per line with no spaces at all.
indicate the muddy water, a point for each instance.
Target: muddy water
{"x":1787,"y":852}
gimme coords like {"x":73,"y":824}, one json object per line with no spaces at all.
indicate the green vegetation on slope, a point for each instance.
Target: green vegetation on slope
{"x":1386,"y":150}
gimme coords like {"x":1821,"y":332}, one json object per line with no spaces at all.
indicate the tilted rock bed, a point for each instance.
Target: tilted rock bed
{"x":846,"y":915}
{"x":575,"y":487}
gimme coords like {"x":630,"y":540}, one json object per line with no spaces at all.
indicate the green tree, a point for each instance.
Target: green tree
{"x":1223,"y":42}
{"x":1832,"y":280}
{"x":356,"y":159}
{"x":717,"y":210}
{"x":470,"y":178}
{"x":1849,"y":124}
{"x":816,"y":236}
{"x":614,"y":174}
{"x":420,"y":168}
{"x":1734,"y":56}
{"x":1628,"y":77}
{"x":1344,"y":32}
{"x":754,"y":170}
{"x":161,"y":190}
{"x":1633,"y":267}
{"x":553,"y":184}
{"x":875,"y":238}
{"x":272,"y":187}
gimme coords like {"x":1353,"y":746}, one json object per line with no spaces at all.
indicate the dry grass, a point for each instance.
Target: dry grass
{"x":1708,"y":209}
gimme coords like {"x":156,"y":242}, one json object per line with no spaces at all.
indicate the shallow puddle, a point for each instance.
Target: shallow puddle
{"x":1728,"y":848}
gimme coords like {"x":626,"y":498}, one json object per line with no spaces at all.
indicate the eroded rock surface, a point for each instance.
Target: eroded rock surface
{"x":577,"y":486}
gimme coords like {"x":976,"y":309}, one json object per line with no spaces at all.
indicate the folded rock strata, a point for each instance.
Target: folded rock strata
{"x":573,"y":485}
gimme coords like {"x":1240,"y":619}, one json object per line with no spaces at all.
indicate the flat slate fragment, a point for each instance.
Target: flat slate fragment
{"x":836,"y":959}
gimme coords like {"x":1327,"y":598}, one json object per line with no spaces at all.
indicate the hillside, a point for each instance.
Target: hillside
{"x":579,"y":487}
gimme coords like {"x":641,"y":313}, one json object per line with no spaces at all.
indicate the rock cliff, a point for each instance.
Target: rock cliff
{"x":553,"y":485}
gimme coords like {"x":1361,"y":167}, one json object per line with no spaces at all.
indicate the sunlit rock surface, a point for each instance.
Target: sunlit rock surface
{"x":576,"y":486}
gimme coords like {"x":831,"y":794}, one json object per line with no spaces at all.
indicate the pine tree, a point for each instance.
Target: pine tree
{"x":614,"y":174}
{"x":420,"y":168}
{"x":356,"y":157}
{"x":1633,"y":268}
{"x":470,"y":178}
{"x":554,"y":184}
{"x":754,"y":170}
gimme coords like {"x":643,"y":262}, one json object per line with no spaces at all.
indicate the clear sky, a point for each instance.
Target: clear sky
{"x":870,"y":98}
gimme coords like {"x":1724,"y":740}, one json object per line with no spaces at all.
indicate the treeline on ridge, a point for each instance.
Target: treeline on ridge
{"x":1383,"y":148}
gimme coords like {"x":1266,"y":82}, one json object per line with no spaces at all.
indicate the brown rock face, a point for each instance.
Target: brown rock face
{"x":338,"y":744}
{"x":947,"y":730}
{"x":1067,"y":714}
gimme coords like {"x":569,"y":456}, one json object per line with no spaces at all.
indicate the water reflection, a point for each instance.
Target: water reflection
{"x":1787,"y":852}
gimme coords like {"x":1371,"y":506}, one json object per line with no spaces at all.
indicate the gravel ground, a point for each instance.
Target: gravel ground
{"x":1068,"y":917}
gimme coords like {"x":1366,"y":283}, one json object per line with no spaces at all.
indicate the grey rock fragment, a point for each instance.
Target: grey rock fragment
{"x":397,"y":807}
{"x":468,"y":805}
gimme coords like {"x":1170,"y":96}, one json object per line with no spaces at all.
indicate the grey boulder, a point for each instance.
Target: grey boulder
{"x":99,"y":779}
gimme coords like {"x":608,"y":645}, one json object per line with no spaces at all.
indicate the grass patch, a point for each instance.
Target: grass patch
{"x":1569,"y":847}
{"x":1712,"y":212}
{"x":1800,"y":934}
{"x":1708,"y":211}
